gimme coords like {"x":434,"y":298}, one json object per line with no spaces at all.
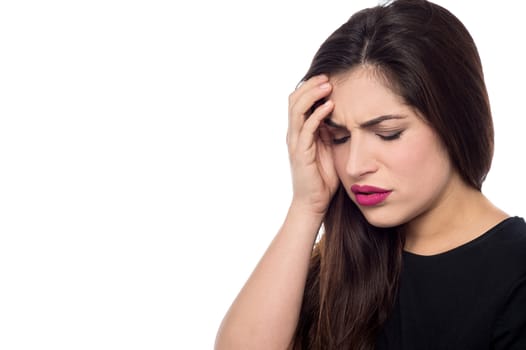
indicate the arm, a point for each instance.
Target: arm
{"x":265,"y":313}
{"x":510,"y":333}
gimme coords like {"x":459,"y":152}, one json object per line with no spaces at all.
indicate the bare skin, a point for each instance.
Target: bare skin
{"x":471,"y":215}
{"x":440,"y":211}
{"x":265,"y":313}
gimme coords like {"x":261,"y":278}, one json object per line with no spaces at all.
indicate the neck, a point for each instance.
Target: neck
{"x":460,"y":215}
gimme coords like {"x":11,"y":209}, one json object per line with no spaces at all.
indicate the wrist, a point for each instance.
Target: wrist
{"x":307,"y":212}
{"x":303,"y":222}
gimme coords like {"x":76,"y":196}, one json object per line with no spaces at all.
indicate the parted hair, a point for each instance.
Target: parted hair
{"x":427,"y":57}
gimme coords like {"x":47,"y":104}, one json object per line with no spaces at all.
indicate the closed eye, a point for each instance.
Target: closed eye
{"x":339,"y":141}
{"x":390,"y":137}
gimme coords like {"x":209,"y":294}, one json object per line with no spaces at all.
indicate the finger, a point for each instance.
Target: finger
{"x":301,"y":103}
{"x":307,"y":84}
{"x":305,"y":87}
{"x":302,"y":99}
{"x":312,"y":124}
{"x":325,"y":135}
{"x":326,"y":164}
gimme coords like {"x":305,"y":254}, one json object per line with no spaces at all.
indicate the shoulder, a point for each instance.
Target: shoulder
{"x":504,"y":241}
{"x":509,"y":238}
{"x":498,"y":256}
{"x":505,"y":251}
{"x":512,"y":229}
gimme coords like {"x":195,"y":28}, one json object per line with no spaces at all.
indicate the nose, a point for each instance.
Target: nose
{"x":360,"y":160}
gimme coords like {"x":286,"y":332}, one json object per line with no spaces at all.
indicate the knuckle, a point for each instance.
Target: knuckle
{"x":300,"y":84}
{"x":294,"y":111}
{"x":292,"y":97}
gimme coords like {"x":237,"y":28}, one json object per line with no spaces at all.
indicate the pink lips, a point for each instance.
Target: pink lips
{"x":369,"y":195}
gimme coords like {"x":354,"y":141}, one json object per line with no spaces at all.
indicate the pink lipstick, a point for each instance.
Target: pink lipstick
{"x":369,"y":195}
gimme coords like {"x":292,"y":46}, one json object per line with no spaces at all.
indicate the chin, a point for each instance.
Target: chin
{"x":382,"y":218}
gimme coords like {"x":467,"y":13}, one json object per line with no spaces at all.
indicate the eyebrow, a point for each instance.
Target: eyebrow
{"x":367,"y":124}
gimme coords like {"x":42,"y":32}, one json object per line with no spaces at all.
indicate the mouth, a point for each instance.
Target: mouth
{"x":369,"y":195}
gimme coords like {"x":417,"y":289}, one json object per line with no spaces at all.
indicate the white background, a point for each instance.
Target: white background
{"x":143,"y":166}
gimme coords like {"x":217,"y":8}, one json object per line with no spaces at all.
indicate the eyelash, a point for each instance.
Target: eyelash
{"x":340,"y":140}
{"x":391,"y":137}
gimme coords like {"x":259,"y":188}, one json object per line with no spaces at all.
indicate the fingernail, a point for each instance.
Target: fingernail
{"x":325,"y":86}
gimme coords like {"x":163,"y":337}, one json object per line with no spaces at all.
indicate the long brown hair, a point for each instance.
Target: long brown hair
{"x":428,"y":58}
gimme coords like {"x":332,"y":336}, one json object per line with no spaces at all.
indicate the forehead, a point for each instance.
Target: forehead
{"x":362,"y":94}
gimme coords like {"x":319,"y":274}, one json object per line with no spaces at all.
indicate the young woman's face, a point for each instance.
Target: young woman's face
{"x":391,"y":163}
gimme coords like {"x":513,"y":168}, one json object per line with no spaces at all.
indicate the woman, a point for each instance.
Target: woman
{"x":390,"y":139}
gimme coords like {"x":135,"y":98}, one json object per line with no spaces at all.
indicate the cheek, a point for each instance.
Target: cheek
{"x":423,"y":164}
